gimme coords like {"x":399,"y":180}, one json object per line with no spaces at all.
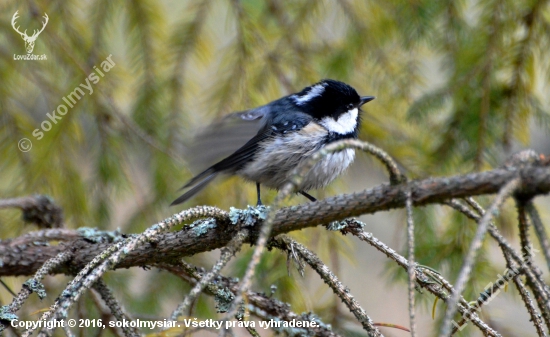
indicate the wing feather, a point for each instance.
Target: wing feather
{"x":236,"y":160}
{"x":223,"y":137}
{"x":237,"y":136}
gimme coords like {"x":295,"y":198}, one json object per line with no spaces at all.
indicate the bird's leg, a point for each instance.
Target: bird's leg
{"x":311,"y":198}
{"x":259,"y":203}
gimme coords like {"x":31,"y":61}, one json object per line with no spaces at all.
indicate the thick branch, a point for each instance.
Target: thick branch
{"x":38,"y":209}
{"x":535,"y":180}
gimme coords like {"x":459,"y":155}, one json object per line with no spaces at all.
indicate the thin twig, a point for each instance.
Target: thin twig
{"x":252,"y":332}
{"x":539,"y":230}
{"x":493,"y":231}
{"x":483,"y":298}
{"x":526,"y":297}
{"x":105,"y":312}
{"x":523,"y":226}
{"x":34,"y":285}
{"x":76,"y":280}
{"x":226,"y":254}
{"x":67,"y":331}
{"x":527,"y":256}
{"x":533,"y":274}
{"x":412,"y":265}
{"x":265,"y":232}
{"x":114,"y":254}
{"x":506,"y":248}
{"x":464,"y":273}
{"x":287,"y":244}
{"x":116,"y":309}
{"x":261,"y":305}
{"x":425,"y":278}
{"x":298,"y":174}
{"x":20,"y":203}
{"x":396,"y":177}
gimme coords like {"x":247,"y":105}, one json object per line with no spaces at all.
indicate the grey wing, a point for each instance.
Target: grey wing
{"x":235,"y":139}
{"x":224,"y":137}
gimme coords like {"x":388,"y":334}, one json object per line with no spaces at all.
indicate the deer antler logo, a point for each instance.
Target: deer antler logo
{"x":29,"y":40}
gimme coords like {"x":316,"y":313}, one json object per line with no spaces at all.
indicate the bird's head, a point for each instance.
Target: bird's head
{"x":334,"y":104}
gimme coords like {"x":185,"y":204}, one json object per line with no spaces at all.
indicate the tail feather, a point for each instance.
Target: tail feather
{"x":199,"y":183}
{"x":199,"y":177}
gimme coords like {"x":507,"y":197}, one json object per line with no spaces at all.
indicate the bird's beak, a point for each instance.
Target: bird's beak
{"x":366,"y":99}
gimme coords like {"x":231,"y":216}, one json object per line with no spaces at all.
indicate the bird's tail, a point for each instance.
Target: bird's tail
{"x":199,"y":182}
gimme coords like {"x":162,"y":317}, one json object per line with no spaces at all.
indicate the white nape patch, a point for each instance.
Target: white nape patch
{"x":345,"y":124}
{"x":315,"y":91}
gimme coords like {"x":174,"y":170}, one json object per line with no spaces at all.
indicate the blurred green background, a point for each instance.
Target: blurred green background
{"x":460,"y":85}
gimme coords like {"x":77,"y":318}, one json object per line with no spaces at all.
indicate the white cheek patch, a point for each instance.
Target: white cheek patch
{"x":345,"y":124}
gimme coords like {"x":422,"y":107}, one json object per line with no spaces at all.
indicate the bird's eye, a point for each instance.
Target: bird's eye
{"x":350,"y":106}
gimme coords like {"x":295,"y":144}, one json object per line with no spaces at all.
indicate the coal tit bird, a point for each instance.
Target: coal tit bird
{"x":286,"y":132}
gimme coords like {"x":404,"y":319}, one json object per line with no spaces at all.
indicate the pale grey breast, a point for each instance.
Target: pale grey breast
{"x":283,"y":154}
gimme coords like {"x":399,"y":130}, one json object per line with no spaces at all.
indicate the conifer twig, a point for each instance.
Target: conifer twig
{"x":412,"y":265}
{"x":116,"y":309}
{"x":287,"y":244}
{"x":539,"y":230}
{"x":114,"y":254}
{"x":464,"y":272}
{"x":424,"y":277}
{"x":34,"y":285}
{"x":226,"y":254}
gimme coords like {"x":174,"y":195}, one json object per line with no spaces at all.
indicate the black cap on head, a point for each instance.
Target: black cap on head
{"x":328,"y":98}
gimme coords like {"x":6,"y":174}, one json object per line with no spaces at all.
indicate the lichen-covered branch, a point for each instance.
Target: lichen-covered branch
{"x":94,"y":257}
{"x":112,"y":255}
{"x":33,"y":285}
{"x":535,"y":180}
